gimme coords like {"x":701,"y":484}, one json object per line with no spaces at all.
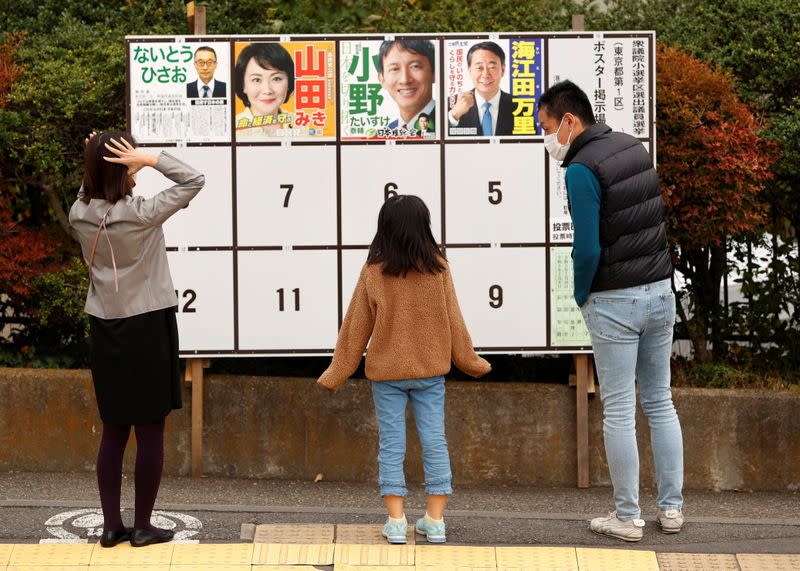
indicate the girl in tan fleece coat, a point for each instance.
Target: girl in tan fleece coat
{"x":405,"y":307}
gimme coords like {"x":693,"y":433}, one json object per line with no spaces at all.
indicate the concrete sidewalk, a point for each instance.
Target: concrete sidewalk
{"x":224,"y":494}
{"x":217,"y":510}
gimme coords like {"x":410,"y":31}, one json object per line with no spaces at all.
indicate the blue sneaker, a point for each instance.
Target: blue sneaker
{"x":434,"y":532}
{"x":395,"y":532}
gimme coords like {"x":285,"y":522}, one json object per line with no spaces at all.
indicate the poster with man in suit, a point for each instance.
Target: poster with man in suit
{"x":386,"y":87}
{"x":181,"y":92}
{"x":493,"y":87}
{"x":206,"y":85}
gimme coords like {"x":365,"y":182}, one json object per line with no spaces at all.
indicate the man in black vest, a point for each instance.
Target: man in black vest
{"x":622,"y":283}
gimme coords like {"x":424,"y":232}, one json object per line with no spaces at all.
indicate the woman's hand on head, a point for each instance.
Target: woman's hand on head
{"x":89,"y":137}
{"x":128,"y":155}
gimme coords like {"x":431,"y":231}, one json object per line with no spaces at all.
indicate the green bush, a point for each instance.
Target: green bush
{"x":722,"y":375}
{"x":54,"y":332}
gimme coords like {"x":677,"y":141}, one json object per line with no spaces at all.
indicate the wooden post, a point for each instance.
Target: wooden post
{"x":190,"y":7}
{"x":196,"y":16}
{"x":584,"y":374}
{"x":582,"y":370}
{"x":194,"y":375}
{"x":200,"y":21}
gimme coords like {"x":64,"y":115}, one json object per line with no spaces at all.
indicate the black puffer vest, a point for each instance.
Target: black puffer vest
{"x":633,"y":237}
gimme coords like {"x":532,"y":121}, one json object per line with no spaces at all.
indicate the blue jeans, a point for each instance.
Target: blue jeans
{"x":427,"y":402}
{"x":631,"y":331}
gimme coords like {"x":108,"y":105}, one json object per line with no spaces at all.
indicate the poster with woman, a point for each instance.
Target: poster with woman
{"x":284,"y":90}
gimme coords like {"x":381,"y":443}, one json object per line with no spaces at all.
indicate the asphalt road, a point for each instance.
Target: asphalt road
{"x":38,"y":507}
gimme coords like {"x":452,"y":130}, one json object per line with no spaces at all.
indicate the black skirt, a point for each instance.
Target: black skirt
{"x":135,"y":367}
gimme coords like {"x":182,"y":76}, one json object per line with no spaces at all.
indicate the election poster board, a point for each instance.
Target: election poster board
{"x":302,"y":139}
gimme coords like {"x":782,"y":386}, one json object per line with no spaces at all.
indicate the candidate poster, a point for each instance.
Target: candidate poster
{"x":285,"y":90}
{"x":388,"y":89}
{"x":180,"y":91}
{"x":493,"y":87}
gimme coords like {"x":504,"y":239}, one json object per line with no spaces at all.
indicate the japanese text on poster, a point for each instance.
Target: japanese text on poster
{"x":493,"y":87}
{"x":285,"y":90}
{"x":388,"y":89}
{"x":178,"y":93}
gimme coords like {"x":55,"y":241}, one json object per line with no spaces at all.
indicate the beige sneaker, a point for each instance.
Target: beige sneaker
{"x":670,"y":520}
{"x":630,"y":530}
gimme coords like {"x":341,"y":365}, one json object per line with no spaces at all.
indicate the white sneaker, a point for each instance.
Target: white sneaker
{"x":670,"y":520}
{"x":630,"y":530}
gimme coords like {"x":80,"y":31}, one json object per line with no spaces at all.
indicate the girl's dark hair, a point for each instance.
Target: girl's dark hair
{"x":404,"y":240}
{"x":102,"y":179}
{"x":269,"y":56}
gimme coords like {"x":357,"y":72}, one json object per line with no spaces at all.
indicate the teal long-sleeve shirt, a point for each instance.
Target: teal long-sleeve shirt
{"x":583,"y":190}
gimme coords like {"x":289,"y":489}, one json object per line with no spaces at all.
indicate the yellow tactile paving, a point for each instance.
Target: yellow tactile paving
{"x":697,"y":562}
{"x":366,"y":533}
{"x":380,"y":555}
{"x":212,"y":554}
{"x":345,"y":567}
{"x":293,"y":533}
{"x":284,"y":568}
{"x":47,"y":568}
{"x":5,"y":553}
{"x":293,"y":554}
{"x":536,"y":559}
{"x":127,"y":566}
{"x":124,"y":554}
{"x":202,"y":567}
{"x":51,"y":554}
{"x":453,"y":556}
{"x":768,"y":562}
{"x":593,"y":559}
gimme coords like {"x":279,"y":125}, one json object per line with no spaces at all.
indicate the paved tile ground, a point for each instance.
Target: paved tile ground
{"x":363,"y":557}
{"x":334,"y":526}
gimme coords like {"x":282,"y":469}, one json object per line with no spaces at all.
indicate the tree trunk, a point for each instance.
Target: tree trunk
{"x":717,"y":317}
{"x":58,"y":208}
{"x":696,"y":327}
{"x":701,"y":269}
{"x":696,"y":332}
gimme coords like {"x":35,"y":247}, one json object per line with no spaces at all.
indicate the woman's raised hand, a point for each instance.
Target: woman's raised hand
{"x":126,"y":154}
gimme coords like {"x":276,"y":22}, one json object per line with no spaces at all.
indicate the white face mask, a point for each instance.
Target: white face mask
{"x":556,"y":149}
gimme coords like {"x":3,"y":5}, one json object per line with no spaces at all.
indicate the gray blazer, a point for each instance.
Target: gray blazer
{"x":134,"y":230}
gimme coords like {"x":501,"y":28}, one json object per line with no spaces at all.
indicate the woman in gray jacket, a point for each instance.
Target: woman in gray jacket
{"x":131,"y":303}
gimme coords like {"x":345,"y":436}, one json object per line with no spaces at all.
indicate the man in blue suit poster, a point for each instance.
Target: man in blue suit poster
{"x":485,"y":110}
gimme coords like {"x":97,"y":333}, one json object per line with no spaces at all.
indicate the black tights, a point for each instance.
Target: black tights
{"x":149,"y":464}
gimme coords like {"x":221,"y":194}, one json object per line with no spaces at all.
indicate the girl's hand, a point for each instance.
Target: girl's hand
{"x":89,"y":138}
{"x":128,"y":155}
{"x":327,"y":388}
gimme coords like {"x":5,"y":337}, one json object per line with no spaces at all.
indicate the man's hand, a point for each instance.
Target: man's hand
{"x":464,"y":102}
